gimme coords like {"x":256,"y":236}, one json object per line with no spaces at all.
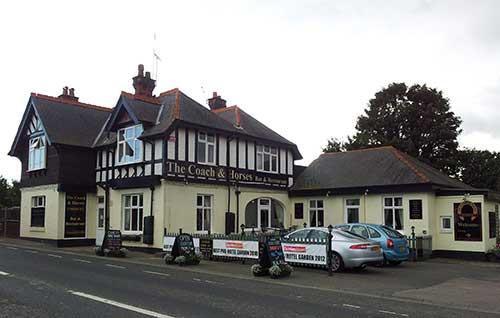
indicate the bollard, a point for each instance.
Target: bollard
{"x":180,"y":230}
{"x":413,"y":244}
{"x":329,"y":250}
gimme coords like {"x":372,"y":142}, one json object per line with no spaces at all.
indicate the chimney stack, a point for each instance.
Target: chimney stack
{"x":144,"y":85}
{"x":216,"y":102}
{"x":68,"y":94}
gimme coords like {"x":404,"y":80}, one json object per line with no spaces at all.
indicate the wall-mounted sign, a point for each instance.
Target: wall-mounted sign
{"x":468,"y":226}
{"x":182,"y":170}
{"x":75,"y":217}
{"x":299,"y":211}
{"x":416,"y":209}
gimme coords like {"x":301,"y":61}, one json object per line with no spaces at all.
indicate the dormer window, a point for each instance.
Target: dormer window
{"x":37,"y":153}
{"x":267,"y":158}
{"x":206,"y":148}
{"x":129,"y":147}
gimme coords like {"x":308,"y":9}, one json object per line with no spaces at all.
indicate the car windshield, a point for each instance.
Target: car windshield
{"x":391,"y":232}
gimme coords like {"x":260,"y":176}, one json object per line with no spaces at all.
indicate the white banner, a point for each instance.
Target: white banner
{"x":304,"y":253}
{"x":239,"y":249}
{"x":168,"y":244}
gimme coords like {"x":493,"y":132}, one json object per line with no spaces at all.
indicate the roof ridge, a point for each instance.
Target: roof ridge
{"x":170,"y":91}
{"x":358,"y":150}
{"x":152,"y":100}
{"x":224,"y":109}
{"x":401,"y":156}
{"x":71,"y":102}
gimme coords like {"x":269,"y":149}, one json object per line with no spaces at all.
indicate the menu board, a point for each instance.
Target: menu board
{"x":114,"y":240}
{"x":271,"y":253}
{"x":415,"y":209}
{"x":75,"y":216}
{"x":468,"y":226}
{"x":183,"y":245}
{"x":206,"y":246}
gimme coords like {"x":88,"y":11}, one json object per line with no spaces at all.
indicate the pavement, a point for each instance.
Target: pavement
{"x":38,"y":280}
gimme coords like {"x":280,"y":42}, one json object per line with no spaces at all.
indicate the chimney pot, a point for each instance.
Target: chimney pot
{"x":216,"y":102}
{"x":140,"y":69}
{"x":148,"y":74}
{"x":214,"y":94}
{"x":72,"y":92}
{"x":65,"y":90}
{"x":144,"y":85}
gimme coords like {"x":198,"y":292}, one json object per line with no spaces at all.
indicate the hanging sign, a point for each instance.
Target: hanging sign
{"x":467,"y":217}
{"x":74,"y":220}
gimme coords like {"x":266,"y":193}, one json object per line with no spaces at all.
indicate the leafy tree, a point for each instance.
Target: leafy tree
{"x":334,"y":145}
{"x":479,"y":168}
{"x":10,"y":194}
{"x":416,"y":120}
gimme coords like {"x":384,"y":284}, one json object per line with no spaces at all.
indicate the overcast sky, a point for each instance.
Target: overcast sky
{"x":304,"y":68}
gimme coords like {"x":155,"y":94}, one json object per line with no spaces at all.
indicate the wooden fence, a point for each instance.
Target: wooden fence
{"x":10,"y":222}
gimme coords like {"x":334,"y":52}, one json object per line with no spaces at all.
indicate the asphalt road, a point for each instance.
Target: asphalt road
{"x":40,"y":283}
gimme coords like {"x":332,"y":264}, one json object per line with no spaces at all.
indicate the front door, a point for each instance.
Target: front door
{"x":99,"y":233}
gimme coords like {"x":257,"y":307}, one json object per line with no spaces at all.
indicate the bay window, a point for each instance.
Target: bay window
{"x":206,"y":148}
{"x":267,"y":158}
{"x":393,"y":212}
{"x":203,"y":212}
{"x":132,"y":213}
{"x":129,"y":146}
{"x":37,"y":153}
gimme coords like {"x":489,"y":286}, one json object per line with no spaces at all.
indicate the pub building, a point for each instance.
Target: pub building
{"x":157,"y":163}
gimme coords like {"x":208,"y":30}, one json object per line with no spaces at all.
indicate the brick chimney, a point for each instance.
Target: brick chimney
{"x":68,"y":93}
{"x":144,"y":85}
{"x":216,"y":102}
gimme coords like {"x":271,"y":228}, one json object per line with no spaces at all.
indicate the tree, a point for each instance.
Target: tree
{"x":334,"y":145}
{"x":479,"y":168}
{"x":416,"y":120}
{"x":10,"y":194}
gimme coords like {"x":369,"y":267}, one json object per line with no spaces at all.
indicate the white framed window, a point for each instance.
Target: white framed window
{"x":204,"y":204}
{"x":100,"y":212}
{"x":37,"y":153}
{"x":38,"y":211}
{"x":445,"y":223}
{"x":316,"y":213}
{"x":352,"y":210}
{"x":393,"y":212}
{"x":267,"y":158}
{"x":129,"y":148}
{"x":132,"y":213}
{"x":206,"y":148}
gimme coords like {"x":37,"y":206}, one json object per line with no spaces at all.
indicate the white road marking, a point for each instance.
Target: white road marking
{"x":197,"y":279}
{"x":157,"y":273}
{"x":115,"y":266}
{"x":121,"y":305}
{"x":31,"y":251}
{"x":210,"y":282}
{"x":12,"y":248}
{"x":81,"y":260}
{"x":4,"y":273}
{"x":54,"y":255}
{"x":392,"y":313}
{"x":351,"y":306}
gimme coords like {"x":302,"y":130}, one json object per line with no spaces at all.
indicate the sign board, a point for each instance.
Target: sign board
{"x":271,"y":253}
{"x":416,"y":210}
{"x":467,"y":217}
{"x":304,"y":253}
{"x":236,"y":249}
{"x":183,"y":246}
{"x":182,"y":169}
{"x":114,"y":240}
{"x":205,"y":246}
{"x":168,"y":243}
{"x":75,"y":216}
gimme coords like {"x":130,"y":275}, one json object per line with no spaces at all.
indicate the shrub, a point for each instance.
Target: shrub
{"x":257,"y":270}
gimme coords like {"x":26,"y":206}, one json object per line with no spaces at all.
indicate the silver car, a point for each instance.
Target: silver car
{"x":349,"y":250}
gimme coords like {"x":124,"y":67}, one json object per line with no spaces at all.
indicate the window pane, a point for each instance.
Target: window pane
{"x":354,"y":202}
{"x":312,"y":218}
{"x":388,"y":201}
{"x":274,"y":164}
{"x":202,"y":136}
{"x":360,"y":230}
{"x":317,"y":235}
{"x":264,"y":218}
{"x":121,"y":135}
{"x":206,"y":219}
{"x":398,"y":201}
{"x":138,"y":131}
{"x":267,"y":163}
{"x":129,"y":149}
{"x":259,"y":161}
{"x":211,"y":154}
{"x":373,"y":233}
{"x":264,"y":202}
{"x":134,"y":200}
{"x":129,"y":133}
{"x":207,"y":201}
{"x":100,"y":218}
{"x":388,"y":217}
{"x":137,"y":150}
{"x":127,"y":201}
{"x":210,"y":138}
{"x":199,"y":200}
{"x":446,"y":223}
{"x":320,"y":203}
{"x":302,"y":234}
{"x":199,"y":219}
{"x":321,"y":218}
{"x":251,"y":214}
{"x":352,"y":215}
{"x":140,"y":200}
{"x":134,"y":219}
{"x":259,"y":148}
{"x":266,"y":148}
{"x":126,"y":219}
{"x":140,"y":219}
{"x":399,"y":219}
{"x":274,"y":151}
{"x":201,"y":152}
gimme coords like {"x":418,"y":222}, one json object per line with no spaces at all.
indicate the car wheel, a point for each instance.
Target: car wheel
{"x":337,"y":262}
{"x":360,"y":268}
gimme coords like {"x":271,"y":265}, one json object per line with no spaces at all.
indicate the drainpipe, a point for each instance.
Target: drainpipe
{"x":364,"y":204}
{"x":237,"y":192}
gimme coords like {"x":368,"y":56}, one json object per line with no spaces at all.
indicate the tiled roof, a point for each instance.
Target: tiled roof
{"x":382,"y":166}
